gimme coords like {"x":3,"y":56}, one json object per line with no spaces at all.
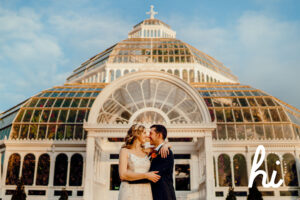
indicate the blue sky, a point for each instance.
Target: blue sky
{"x":41,"y":42}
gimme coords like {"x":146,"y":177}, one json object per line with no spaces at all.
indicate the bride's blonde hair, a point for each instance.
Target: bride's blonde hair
{"x":132,"y":134}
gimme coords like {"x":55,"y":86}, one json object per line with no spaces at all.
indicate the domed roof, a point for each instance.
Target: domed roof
{"x":153,"y":50}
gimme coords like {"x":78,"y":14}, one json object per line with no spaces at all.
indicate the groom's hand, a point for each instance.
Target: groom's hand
{"x":164,"y":151}
{"x":153,"y":176}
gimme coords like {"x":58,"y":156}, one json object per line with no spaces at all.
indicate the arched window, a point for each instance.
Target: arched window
{"x":170,"y":71}
{"x":28,"y":169}
{"x":272,"y":166}
{"x":118,"y":73}
{"x":43,"y":170}
{"x":290,"y":170}
{"x":258,"y":179}
{"x":177,"y":73}
{"x":76,"y":170}
{"x":192,"y":76}
{"x":112,"y":75}
{"x":240,"y":170}
{"x":133,"y":70}
{"x":224,"y":170}
{"x":202,"y":77}
{"x":126,"y":71}
{"x":13,"y":169}
{"x":207,"y":78}
{"x":185,"y":75}
{"x":61,"y":169}
{"x":162,"y":70}
{"x":199,"y":77}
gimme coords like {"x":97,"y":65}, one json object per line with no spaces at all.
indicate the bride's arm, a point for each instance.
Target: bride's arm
{"x":128,"y":175}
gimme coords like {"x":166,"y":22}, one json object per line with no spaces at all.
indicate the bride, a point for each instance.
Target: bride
{"x":134,"y":164}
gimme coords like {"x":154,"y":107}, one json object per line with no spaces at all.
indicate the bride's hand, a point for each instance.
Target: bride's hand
{"x":164,"y":150}
{"x":152,"y":176}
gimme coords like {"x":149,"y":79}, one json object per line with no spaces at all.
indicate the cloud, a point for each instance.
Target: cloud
{"x":261,"y":49}
{"x":32,"y":55}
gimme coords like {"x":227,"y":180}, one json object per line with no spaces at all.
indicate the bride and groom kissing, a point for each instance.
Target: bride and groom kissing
{"x":146,"y":173}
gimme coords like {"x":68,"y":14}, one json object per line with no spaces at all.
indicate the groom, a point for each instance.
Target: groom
{"x":162,"y":189}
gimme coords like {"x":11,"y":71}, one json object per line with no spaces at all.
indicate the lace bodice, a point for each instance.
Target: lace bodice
{"x":138,"y":164}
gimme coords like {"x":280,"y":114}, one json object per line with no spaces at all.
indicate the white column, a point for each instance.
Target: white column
{"x":35,"y":168}
{"x":194,"y":172}
{"x":89,"y":176}
{"x":232,"y":171}
{"x":107,"y":75}
{"x":21,"y":165}
{"x":98,"y":77}
{"x":68,"y":171}
{"x":210,"y":190}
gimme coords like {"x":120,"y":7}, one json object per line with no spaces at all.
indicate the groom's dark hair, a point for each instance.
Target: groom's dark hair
{"x":160,"y":129}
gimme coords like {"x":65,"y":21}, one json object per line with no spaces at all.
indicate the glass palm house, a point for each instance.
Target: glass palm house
{"x":69,"y":136}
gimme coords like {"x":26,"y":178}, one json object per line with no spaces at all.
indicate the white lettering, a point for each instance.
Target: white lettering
{"x":255,"y":172}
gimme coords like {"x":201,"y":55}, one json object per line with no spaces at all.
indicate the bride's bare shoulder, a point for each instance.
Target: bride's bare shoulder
{"x":124,"y":151}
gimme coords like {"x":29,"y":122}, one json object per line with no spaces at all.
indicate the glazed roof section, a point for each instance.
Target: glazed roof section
{"x":240,"y":111}
{"x":243,"y":112}
{"x":154,"y":50}
{"x":56,"y":113}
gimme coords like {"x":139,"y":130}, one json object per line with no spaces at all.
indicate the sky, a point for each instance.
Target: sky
{"x":43,"y":41}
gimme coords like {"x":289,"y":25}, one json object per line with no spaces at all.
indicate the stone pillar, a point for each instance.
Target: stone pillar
{"x":89,"y":170}
{"x":69,"y":170}
{"x":210,"y":190}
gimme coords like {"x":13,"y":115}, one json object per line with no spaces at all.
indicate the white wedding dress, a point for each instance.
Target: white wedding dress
{"x":136,"y":191}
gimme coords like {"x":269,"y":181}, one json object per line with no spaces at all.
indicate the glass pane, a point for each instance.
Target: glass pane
{"x":221,"y":131}
{"x":28,"y":169}
{"x":54,"y":115}
{"x":69,"y":131}
{"x":259,"y":130}
{"x":258,"y":179}
{"x":20,"y":116}
{"x":43,"y":170}
{"x":61,"y":169}
{"x":240,"y":131}
{"x":63,"y":115}
{"x":240,"y":170}
{"x":72,"y":115}
{"x":114,"y":177}
{"x":243,"y":102}
{"x":51,"y":131}
{"x":182,"y":177}
{"x":278,"y":131}
{"x":238,"y":115}
{"x":260,"y":102}
{"x":275,"y":115}
{"x":42,"y":132}
{"x":269,"y":131}
{"x":272,"y":166}
{"x":247,"y":115}
{"x":283,"y":115}
{"x":33,"y":131}
{"x":45,"y":116}
{"x":231,"y":131}
{"x":290,"y":170}
{"x":58,"y":102}
{"x":287,"y":131}
{"x":252,"y":102}
{"x":27,"y":116}
{"x":76,"y":170}
{"x":36,"y":116}
{"x":78,"y":132}
{"x":250,"y":132}
{"x":257,"y":115}
{"x":224,"y":170}
{"x":228,"y":115}
{"x":13,"y":169}
{"x":75,"y":103}
{"x":60,"y":132}
{"x":24,"y":131}
{"x":220,"y":115}
{"x":67,"y":103}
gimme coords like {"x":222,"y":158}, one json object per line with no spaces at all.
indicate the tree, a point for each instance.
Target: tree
{"x":254,"y":193}
{"x":231,"y":195}
{"x":19,"y":193}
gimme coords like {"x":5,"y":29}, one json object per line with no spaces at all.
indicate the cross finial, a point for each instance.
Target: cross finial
{"x":151,"y":12}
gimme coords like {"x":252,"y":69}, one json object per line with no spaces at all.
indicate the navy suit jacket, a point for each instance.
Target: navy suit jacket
{"x":162,"y":189}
